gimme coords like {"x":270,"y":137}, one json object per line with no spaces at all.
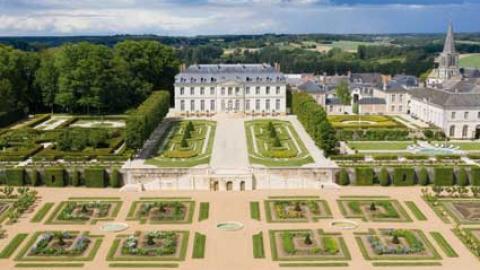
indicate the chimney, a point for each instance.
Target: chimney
{"x":183,"y":67}
{"x":277,"y":67}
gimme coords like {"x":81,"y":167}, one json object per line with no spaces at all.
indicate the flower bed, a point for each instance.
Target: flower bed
{"x":158,"y":211}
{"x":373,"y":210}
{"x":293,"y":210}
{"x":83,"y":212}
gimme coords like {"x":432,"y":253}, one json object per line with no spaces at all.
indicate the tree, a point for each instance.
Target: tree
{"x":308,"y":240}
{"x":373,"y":207}
{"x":343,"y":178}
{"x":423,"y":177}
{"x":343,"y":93}
{"x":395,"y":240}
{"x":276,"y":142}
{"x":46,"y":78}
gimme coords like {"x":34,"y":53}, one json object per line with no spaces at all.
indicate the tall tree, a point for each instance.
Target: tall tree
{"x":343,"y":93}
{"x":46,"y":78}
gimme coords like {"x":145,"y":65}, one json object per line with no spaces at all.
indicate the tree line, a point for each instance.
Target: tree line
{"x":84,"y":77}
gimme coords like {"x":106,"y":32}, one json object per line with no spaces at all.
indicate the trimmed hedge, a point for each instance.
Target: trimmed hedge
{"x":364,"y":176}
{"x":343,"y":177}
{"x":32,"y":178}
{"x":15,"y":176}
{"x":54,"y":177}
{"x":462,"y":177}
{"x":95,"y":177}
{"x":404,"y":177}
{"x":383,"y":177}
{"x":7,"y":118}
{"x":475,"y":179}
{"x":115,"y":178}
{"x":74,"y":178}
{"x":423,"y":177}
{"x":444,"y":176}
{"x":143,"y":121}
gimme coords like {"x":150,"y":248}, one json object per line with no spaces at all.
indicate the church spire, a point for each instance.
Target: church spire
{"x":449,"y":46}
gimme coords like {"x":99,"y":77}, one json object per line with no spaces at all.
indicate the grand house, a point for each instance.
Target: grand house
{"x":230,"y":88}
{"x":450,"y":98}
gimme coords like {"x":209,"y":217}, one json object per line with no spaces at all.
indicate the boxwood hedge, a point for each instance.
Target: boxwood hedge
{"x":95,"y":177}
{"x":364,"y":176}
{"x":404,"y":177}
{"x":444,"y":176}
{"x":15,"y":176}
{"x":54,"y":177}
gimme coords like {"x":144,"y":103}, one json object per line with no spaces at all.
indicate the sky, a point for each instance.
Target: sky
{"x":211,"y":17}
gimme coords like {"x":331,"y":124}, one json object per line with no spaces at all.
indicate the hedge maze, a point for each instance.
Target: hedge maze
{"x":373,"y":210}
{"x":186,"y":144}
{"x":275,"y":143}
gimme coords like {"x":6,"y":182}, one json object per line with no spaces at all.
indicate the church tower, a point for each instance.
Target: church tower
{"x":447,"y":62}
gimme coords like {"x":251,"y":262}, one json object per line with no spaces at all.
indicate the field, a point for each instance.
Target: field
{"x":364,"y":121}
{"x":185,"y":144}
{"x":275,"y":143}
{"x":470,"y":60}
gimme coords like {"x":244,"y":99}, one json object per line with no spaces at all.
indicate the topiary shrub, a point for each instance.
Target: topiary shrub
{"x":462,"y":177}
{"x":115,"y":178}
{"x":33,"y":178}
{"x":403,"y":177}
{"x":15,"y":176}
{"x":54,"y":177}
{"x":74,"y":178}
{"x":475,"y":176}
{"x":444,"y":177}
{"x":364,"y":176}
{"x":383,"y":177}
{"x":343,"y":178}
{"x":95,"y":177}
{"x":423,"y":177}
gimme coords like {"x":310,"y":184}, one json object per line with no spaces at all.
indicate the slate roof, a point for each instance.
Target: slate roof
{"x":333,"y":101}
{"x":310,"y":87}
{"x":372,"y":79}
{"x":447,"y":99}
{"x":372,"y":101}
{"x":255,"y":73}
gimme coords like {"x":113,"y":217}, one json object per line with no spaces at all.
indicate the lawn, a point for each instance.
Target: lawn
{"x":184,"y":146}
{"x":379,"y":145}
{"x":364,"y":121}
{"x":466,"y":146}
{"x":470,"y":60}
{"x":274,"y":143}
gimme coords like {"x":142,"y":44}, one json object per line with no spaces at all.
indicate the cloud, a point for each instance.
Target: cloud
{"x":203,"y":17}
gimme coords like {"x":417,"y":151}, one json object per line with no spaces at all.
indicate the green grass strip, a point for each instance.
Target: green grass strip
{"x":364,"y":197}
{"x":415,"y":210}
{"x":42,"y":213}
{"x":295,"y":197}
{"x":165,"y":198}
{"x":96,"y":198}
{"x":328,"y":264}
{"x":143,"y":265}
{"x":255,"y":210}
{"x":12,"y":246}
{"x":406,"y":264}
{"x":48,"y":265}
{"x":199,"y":246}
{"x":204,"y":211}
{"x":444,"y":245}
{"x":258,"y":250}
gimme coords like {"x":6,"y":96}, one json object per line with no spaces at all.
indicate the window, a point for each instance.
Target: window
{"x":478,"y":115}
{"x":257,"y":104}
{"x":267,"y":90}
{"x":223,"y":91}
{"x":182,"y":91}
{"x":257,"y":90}
{"x":453,"y":115}
{"x":192,"y":91}
{"x":192,"y":105}
{"x":202,"y":91}
{"x":465,"y":115}
{"x":182,"y":105}
{"x":212,"y":91}
{"x":212,"y":105}
{"x":393,"y":108}
{"x":237,"y":105}
{"x":247,"y":90}
{"x":223,"y":105}
{"x":278,"y":90}
{"x":230,"y":91}
{"x":237,"y":90}
{"x":247,"y":104}
{"x":401,"y":98}
{"x":202,"y":105}
{"x":400,"y":108}
{"x":393,"y":98}
{"x":452,"y":131}
{"x":277,"y":104}
{"x":465,"y":131}
{"x":267,"y":104}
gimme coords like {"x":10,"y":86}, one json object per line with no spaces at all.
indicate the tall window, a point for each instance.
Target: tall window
{"x":478,"y":115}
{"x":247,"y":90}
{"x":182,"y":105}
{"x":277,"y":104}
{"x":453,"y":115}
{"x":192,"y":91}
{"x":237,"y":90}
{"x":257,"y":104}
{"x":401,"y":98}
{"x":465,"y":131}
{"x":278,"y":90}
{"x":267,"y":90}
{"x":182,"y":91}
{"x":223,"y":91}
{"x":237,"y":104}
{"x":202,"y":91}
{"x":465,"y":115}
{"x":212,"y":105}
{"x":192,"y":105}
{"x":452,"y":131}
{"x":393,"y":98}
{"x":257,"y":90}
{"x":223,"y":105}
{"x":212,"y":91}
{"x":230,"y":91}
{"x":267,"y":104}
{"x":247,"y":104}
{"x":202,"y":105}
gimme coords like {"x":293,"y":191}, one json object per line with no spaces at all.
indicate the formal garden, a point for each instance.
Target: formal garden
{"x":296,"y":210}
{"x":185,"y":144}
{"x":275,"y":143}
{"x":396,"y":245}
{"x":85,"y":211}
{"x":373,"y":209}
{"x":307,"y":245}
{"x":160,"y":211}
